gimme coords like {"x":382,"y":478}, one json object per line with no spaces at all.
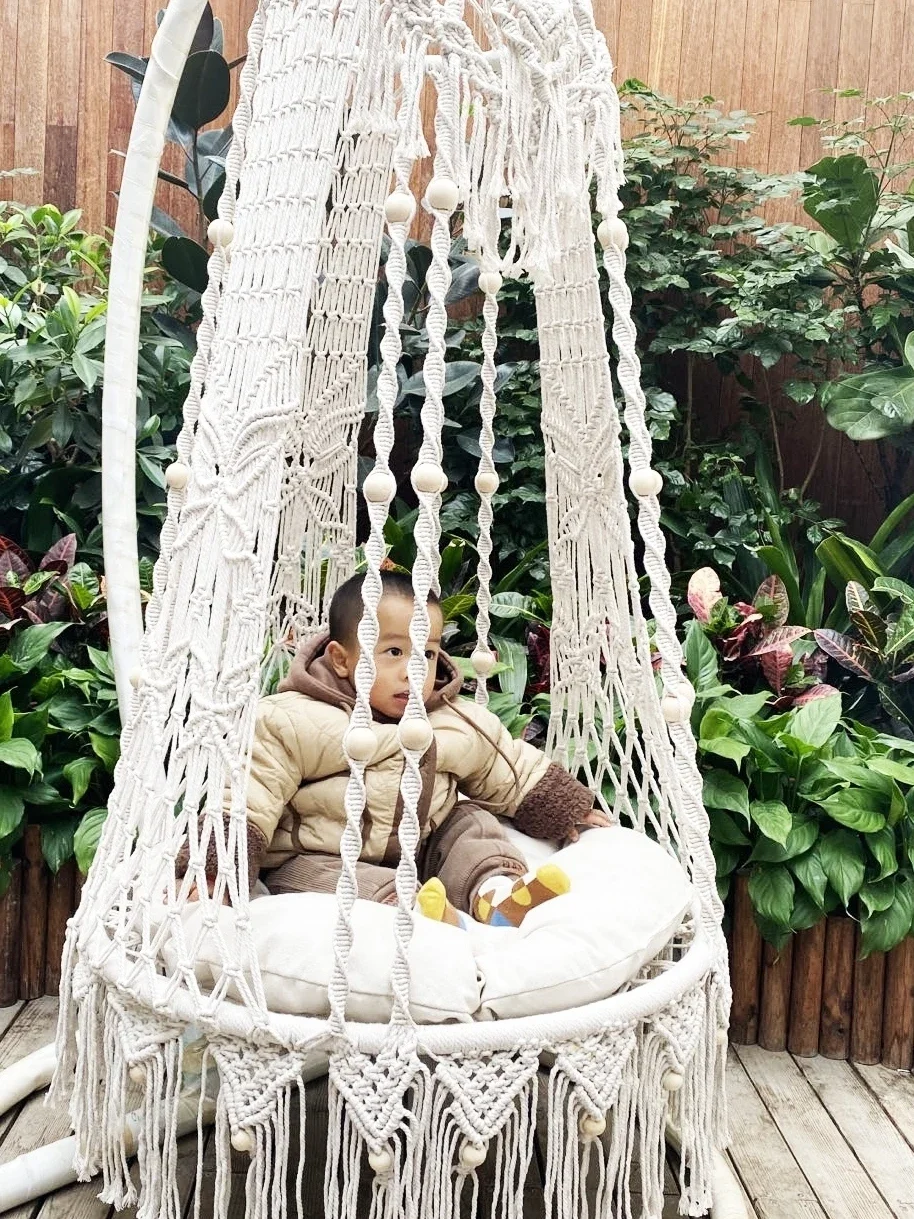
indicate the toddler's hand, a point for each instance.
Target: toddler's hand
{"x":590,"y":820}
{"x":194,"y":894}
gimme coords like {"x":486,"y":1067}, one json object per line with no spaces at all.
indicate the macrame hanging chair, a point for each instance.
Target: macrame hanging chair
{"x":260,"y":530}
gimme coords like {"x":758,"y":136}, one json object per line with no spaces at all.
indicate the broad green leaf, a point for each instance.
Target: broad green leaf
{"x":842,"y":196}
{"x":744,"y":706}
{"x":79,"y":775}
{"x":893,"y":770}
{"x":203,"y":91}
{"x":701,"y":658}
{"x":803,"y":834}
{"x":57,"y":842}
{"x":816,"y":721}
{"x":21,"y":754}
{"x":895,"y":588}
{"x":882,"y":847}
{"x":12,"y":808}
{"x":860,"y":775}
{"x":806,"y":913}
{"x":726,"y":859}
{"x":878,"y":894}
{"x":883,"y":930}
{"x":187,"y":262}
{"x":512,"y":656}
{"x":107,"y":748}
{"x":102,"y":661}
{"x":70,"y":712}
{"x":871,"y":405}
{"x":901,"y":633}
{"x":7,"y":716}
{"x":810,"y":873}
{"x":857,"y":809}
{"x":771,"y":889}
{"x":773,"y":819}
{"x":31,"y":646}
{"x":723,"y":790}
{"x":725,"y":830}
{"x":725,"y":747}
{"x":841,"y":855}
{"x":87,"y":837}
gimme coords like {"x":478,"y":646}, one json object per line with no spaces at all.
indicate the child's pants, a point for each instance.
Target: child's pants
{"x":466,"y":849}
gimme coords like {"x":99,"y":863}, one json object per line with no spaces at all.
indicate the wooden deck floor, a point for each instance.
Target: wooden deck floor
{"x":811,"y":1138}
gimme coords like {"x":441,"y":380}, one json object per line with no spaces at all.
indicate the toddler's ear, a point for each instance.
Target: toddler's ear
{"x":339,"y":659}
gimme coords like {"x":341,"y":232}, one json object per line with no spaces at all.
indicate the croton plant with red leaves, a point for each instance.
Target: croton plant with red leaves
{"x":755,"y":640}
{"x":55,"y":589}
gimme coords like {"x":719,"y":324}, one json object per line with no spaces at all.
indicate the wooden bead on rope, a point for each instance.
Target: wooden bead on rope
{"x":221,"y":232}
{"x":472,"y":1155}
{"x":490,"y":282}
{"x":380,"y":1162}
{"x":243,"y":1141}
{"x":483,"y":662}
{"x":442,"y":194}
{"x":360,"y":744}
{"x":428,"y":478}
{"x":399,"y":208}
{"x":613,"y":233}
{"x":177,"y":475}
{"x":645,"y":482}
{"x":415,"y":735}
{"x":592,"y":1127}
{"x":486,"y":482}
{"x":379,"y":487}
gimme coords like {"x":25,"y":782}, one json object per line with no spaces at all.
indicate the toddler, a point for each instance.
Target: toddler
{"x":299,"y":774}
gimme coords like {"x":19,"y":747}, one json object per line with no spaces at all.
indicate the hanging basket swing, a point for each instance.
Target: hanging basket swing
{"x":259,"y":533}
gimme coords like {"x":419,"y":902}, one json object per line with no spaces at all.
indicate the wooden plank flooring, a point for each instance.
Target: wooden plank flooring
{"x":811,"y":1139}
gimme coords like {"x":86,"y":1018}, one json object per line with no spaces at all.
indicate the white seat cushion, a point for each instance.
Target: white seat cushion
{"x":628,"y":896}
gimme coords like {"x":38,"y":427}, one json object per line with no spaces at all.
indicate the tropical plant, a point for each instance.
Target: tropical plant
{"x":56,"y":589}
{"x":819,"y":810}
{"x":52,"y":334}
{"x":202,"y":96}
{"x":880,"y":647}
{"x":858,"y":197}
{"x":756,"y":643}
{"x":59,"y":731}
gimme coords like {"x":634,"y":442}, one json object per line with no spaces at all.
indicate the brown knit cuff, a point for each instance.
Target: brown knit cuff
{"x":554,"y":807}
{"x":257,"y":848}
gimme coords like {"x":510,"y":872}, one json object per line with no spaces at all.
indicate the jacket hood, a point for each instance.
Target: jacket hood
{"x":312,"y":674}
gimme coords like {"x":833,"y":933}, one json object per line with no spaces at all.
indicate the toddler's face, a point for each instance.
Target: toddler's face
{"x":390,"y":692}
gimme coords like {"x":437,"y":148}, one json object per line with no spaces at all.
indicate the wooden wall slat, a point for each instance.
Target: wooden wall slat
{"x":31,"y":97}
{"x":62,"y":109}
{"x":697,"y":44}
{"x":9,"y":21}
{"x":726,"y":54}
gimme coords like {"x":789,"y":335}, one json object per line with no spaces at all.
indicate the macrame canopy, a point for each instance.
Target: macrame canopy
{"x":260,"y":531}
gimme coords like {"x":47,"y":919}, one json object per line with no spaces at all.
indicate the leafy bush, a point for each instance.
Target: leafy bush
{"x":820,"y":810}
{"x":53,"y":279}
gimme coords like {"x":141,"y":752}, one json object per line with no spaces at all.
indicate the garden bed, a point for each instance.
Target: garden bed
{"x":33,"y":923}
{"x":816,"y":996}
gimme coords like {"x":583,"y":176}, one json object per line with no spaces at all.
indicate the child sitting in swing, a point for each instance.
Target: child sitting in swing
{"x":299,"y":774}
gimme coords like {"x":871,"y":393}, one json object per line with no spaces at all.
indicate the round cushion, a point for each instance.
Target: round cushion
{"x":628,"y":897}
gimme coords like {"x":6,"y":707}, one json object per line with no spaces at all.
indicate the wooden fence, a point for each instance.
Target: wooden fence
{"x":63,"y":111}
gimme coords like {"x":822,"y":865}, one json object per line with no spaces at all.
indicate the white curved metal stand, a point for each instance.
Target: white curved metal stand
{"x":169,"y":52}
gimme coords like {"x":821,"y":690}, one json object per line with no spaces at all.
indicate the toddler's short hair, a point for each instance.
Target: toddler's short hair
{"x":346,"y":606}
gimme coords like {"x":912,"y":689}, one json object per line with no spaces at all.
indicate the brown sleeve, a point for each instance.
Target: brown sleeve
{"x":257,"y":847}
{"x":554,"y":806}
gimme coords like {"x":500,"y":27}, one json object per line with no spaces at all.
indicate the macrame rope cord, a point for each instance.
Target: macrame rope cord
{"x":261,"y":529}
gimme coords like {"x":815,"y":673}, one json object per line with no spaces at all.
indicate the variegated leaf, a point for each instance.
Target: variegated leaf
{"x":778,"y":638}
{"x":773,"y":591}
{"x":704,"y":592}
{"x":850,"y":654}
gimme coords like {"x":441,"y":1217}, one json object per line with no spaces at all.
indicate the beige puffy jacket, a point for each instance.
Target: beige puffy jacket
{"x":299,"y":772}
